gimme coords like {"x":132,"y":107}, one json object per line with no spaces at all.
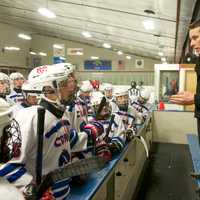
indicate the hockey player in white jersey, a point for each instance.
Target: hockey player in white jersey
{"x":141,"y":104}
{"x":31,"y":95}
{"x":79,"y":114}
{"x":57,"y":84}
{"x":129,"y":115}
{"x":114,"y":129}
{"x":108,"y":91}
{"x":4,"y":85}
{"x":17,"y":80}
{"x":7,"y":190}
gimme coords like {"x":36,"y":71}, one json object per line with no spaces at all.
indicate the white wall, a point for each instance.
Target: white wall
{"x":8,"y":35}
{"x":45,"y":44}
{"x":173,"y":127}
{"x":40,"y":43}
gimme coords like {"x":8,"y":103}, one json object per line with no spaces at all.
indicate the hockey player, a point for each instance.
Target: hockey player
{"x":113,"y":126}
{"x":129,"y":115}
{"x":141,"y":103}
{"x":108,"y":91}
{"x":17,"y":80}
{"x":57,"y":84}
{"x":7,"y":190}
{"x":82,"y":103}
{"x":31,"y":95}
{"x":4,"y":85}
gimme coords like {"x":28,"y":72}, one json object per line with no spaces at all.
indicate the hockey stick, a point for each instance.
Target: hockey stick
{"x":106,"y":138}
{"x":80,"y":167}
{"x":101,"y":105}
{"x":40,"y":133}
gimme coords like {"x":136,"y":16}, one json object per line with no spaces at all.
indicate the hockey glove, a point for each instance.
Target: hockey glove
{"x":102,"y":150}
{"x":96,"y":129}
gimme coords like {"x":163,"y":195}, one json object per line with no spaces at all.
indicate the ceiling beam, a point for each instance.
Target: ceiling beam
{"x":73,"y":27}
{"x":113,"y":10}
{"x":90,"y":21}
{"x":49,"y":34}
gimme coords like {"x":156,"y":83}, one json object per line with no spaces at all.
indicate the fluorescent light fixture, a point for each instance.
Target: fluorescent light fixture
{"x":79,"y":53}
{"x":94,"y":57}
{"x":24,"y":36}
{"x":119,"y":52}
{"x":106,"y":45}
{"x":32,"y":53}
{"x":42,"y":54}
{"x":163,"y":59}
{"x":128,"y":57}
{"x":149,"y":24}
{"x":160,"y":53}
{"x":62,"y":58}
{"x":86,"y":34}
{"x":12,"y":48}
{"x":46,"y":12}
{"x":58,"y":46}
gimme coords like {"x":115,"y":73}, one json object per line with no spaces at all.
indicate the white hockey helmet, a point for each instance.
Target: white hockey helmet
{"x":145,"y":94}
{"x":120,"y":91}
{"x":86,"y":86}
{"x":4,"y":77}
{"x":5,"y":114}
{"x":29,"y":88}
{"x":121,"y":98}
{"x":50,"y":75}
{"x":16,"y":75}
{"x":5,"y":84}
{"x":96,"y":98}
{"x":107,"y":87}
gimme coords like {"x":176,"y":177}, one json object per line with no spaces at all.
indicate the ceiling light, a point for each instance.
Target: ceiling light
{"x":128,"y":57}
{"x":42,"y":54}
{"x":12,"y":48}
{"x":160,"y":53}
{"x":32,"y":53}
{"x":62,"y":58}
{"x":106,"y":45}
{"x":149,"y":24}
{"x":24,"y":36}
{"x":79,"y":53}
{"x":163,"y":59}
{"x":119,"y":52}
{"x":46,"y":12}
{"x":94,"y":57}
{"x":86,"y":34}
{"x":57,"y":46}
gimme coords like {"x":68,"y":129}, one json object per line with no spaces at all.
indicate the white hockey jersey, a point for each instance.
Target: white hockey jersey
{"x":116,"y":134}
{"x":15,"y":96}
{"x":131,"y":118}
{"x":57,"y":142}
{"x":143,"y":109}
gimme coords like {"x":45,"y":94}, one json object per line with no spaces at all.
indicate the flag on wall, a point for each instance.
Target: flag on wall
{"x":121,"y":65}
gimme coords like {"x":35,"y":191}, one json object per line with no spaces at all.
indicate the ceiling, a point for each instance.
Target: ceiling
{"x":117,"y":22}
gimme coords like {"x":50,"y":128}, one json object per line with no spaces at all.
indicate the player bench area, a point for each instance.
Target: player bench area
{"x":119,"y":178}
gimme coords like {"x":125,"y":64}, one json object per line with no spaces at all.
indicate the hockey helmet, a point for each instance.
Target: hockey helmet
{"x":121,"y":98}
{"x":4,"y":84}
{"x":145,"y":94}
{"x":50,"y":75}
{"x":15,"y":76}
{"x":86,"y":86}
